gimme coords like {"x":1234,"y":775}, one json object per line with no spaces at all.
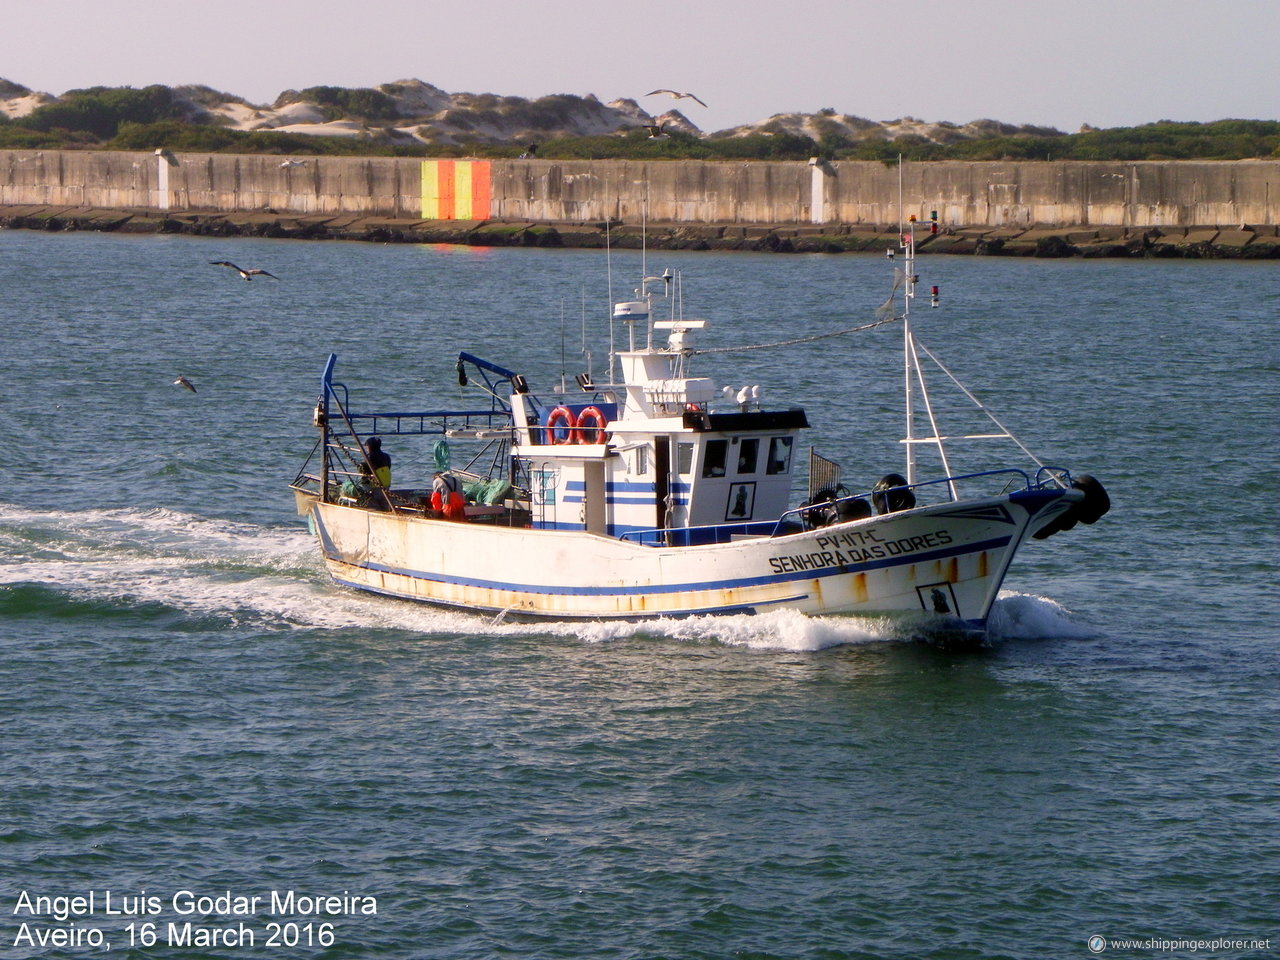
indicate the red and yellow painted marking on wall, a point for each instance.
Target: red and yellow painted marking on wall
{"x":455,"y":190}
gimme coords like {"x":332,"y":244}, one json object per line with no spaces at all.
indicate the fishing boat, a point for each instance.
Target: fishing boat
{"x":657,"y":494}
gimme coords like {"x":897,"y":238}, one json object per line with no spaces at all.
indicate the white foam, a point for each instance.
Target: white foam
{"x":775,"y":630}
{"x":273,"y":577}
{"x":158,"y":531}
{"x":1022,"y":616}
{"x":197,"y":565}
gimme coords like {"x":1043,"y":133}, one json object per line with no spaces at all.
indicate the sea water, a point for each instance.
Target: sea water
{"x":243,"y":759}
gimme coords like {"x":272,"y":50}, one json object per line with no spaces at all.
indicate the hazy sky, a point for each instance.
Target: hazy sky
{"x":1104,"y":62}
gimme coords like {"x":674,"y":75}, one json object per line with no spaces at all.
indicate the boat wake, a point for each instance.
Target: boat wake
{"x":1013,"y":617}
{"x":264,"y":578}
{"x":1021,"y":616}
{"x":775,"y":630}
{"x":131,"y":559}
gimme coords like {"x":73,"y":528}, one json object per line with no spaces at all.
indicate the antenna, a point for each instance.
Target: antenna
{"x":899,"y":194}
{"x":562,"y":370}
{"x":608,"y":259}
{"x":582,"y":290}
{"x":913,"y":374}
{"x":907,"y":241}
{"x":644,"y":230}
{"x":648,"y":298}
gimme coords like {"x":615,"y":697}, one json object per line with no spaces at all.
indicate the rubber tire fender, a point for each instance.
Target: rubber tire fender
{"x":1096,"y":501}
{"x":888,"y":500}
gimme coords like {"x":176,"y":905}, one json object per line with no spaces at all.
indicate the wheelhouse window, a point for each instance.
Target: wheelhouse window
{"x":684,"y":458}
{"x":779,"y":456}
{"x":714,"y":459}
{"x":748,"y":455}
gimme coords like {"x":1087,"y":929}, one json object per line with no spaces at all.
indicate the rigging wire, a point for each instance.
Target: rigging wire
{"x":979,"y":404}
{"x":882,"y":317}
{"x":787,"y":343}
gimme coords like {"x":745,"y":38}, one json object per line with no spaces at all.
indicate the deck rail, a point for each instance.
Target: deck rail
{"x":807,"y":516}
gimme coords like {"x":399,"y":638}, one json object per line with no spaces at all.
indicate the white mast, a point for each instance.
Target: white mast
{"x":907,"y":239}
{"x":913,"y":373}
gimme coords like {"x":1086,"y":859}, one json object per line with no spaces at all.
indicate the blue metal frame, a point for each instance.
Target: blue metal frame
{"x":340,"y":395}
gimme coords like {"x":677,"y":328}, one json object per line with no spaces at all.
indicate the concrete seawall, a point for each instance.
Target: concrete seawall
{"x":983,"y":207}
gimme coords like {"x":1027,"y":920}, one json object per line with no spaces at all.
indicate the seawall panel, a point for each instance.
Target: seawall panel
{"x":449,"y":190}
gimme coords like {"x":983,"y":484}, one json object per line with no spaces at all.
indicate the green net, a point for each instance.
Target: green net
{"x":441,"y":453}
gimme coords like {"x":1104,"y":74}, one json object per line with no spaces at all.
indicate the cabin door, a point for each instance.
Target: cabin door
{"x":593,"y":501}
{"x":661,"y":478}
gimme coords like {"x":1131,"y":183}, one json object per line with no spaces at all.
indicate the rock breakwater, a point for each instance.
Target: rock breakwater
{"x":1239,"y":242}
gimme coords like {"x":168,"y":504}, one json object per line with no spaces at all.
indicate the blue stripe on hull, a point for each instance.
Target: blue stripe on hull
{"x":948,"y":632}
{"x":528,"y":615}
{"x":578,"y":590}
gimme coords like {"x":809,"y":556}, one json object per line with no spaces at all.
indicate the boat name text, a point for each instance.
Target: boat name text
{"x":856,"y":547}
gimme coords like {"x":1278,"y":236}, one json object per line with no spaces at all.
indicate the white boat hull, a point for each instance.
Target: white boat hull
{"x":947,"y":560}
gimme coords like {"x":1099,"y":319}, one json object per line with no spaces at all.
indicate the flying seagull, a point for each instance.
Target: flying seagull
{"x":656,"y":131}
{"x":247,"y":274}
{"x":184,"y":382}
{"x":677,"y":96}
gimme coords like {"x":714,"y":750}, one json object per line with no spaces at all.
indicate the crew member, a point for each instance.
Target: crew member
{"x":446,"y":496}
{"x":379,"y":460}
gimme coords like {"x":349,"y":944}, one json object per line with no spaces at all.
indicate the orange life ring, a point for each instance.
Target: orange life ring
{"x":553,"y":424}
{"x":593,"y":433}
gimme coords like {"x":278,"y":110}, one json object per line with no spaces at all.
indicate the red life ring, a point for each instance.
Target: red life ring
{"x":553,"y":424}
{"x":593,"y":433}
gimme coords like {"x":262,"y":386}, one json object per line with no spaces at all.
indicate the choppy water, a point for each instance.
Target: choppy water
{"x":190,"y":705}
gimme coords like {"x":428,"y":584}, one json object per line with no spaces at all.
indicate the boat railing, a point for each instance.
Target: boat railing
{"x":346,"y":432}
{"x":699,"y":535}
{"x":826,"y":512}
{"x":395,"y":423}
{"x":1053,"y":477}
{"x":807,"y":516}
{"x":402,"y":422}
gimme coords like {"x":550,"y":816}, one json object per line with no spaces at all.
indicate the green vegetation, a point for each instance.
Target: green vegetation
{"x":545,"y":113}
{"x":124,"y":118}
{"x":1165,"y":140}
{"x":99,"y":111}
{"x":340,"y":103}
{"x":638,"y":145}
{"x":193,"y":138}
